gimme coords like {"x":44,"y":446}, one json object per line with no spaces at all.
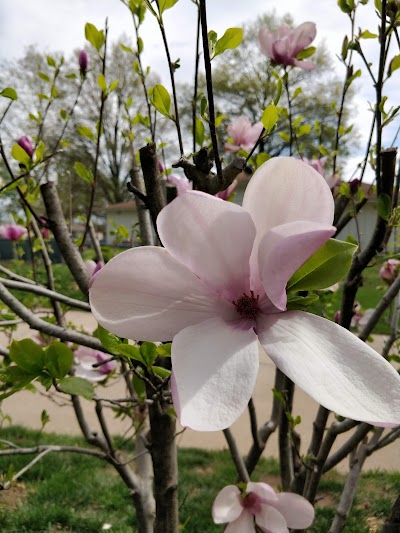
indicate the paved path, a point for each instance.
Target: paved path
{"x":25,"y":408}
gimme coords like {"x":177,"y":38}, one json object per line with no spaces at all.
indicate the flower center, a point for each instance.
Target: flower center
{"x":252,"y":503}
{"x":247,"y":306}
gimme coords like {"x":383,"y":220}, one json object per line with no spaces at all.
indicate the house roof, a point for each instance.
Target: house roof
{"x":130,"y":205}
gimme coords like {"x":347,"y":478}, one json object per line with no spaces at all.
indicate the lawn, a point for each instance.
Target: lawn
{"x":79,"y":494}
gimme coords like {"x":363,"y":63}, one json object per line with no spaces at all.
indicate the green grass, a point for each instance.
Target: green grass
{"x":78,"y":494}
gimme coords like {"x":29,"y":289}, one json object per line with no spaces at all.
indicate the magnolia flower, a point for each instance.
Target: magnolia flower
{"x":318,"y":165}
{"x":92,"y":267}
{"x":83,"y":61}
{"x":183,"y":185}
{"x":219,"y":286}
{"x":283,"y":46}
{"x":390,"y":270}
{"x":26,"y":144}
{"x":226,"y":194}
{"x":85,"y":358}
{"x":12,"y":232}
{"x":244,"y":134}
{"x":272,"y":512}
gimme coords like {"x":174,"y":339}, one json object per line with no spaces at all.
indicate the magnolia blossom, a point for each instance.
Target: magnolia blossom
{"x":85,"y":358}
{"x":92,"y":267}
{"x":26,"y":144}
{"x":83,"y":61}
{"x":183,"y":185}
{"x":272,"y":512}
{"x":283,"y":46}
{"x":390,"y":270}
{"x":218,"y":288}
{"x":244,"y":134}
{"x":318,"y":164}
{"x":12,"y":232}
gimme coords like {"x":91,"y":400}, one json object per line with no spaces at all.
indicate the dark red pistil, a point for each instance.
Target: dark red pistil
{"x":247,"y":306}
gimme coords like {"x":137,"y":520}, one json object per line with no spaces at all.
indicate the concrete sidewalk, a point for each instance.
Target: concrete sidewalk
{"x":25,"y":409}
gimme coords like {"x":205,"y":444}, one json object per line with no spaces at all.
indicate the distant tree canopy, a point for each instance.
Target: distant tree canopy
{"x":244,"y":84}
{"x":32,"y":77}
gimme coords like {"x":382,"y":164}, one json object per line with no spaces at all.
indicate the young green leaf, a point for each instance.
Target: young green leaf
{"x":85,"y":131}
{"x":77,"y":387}
{"x":327,"y":266}
{"x":94,"y":36}
{"x":20,"y":155}
{"x":166,"y":4}
{"x":28,"y":355}
{"x":84,"y":173}
{"x":199,"y":133}
{"x":384,"y":206}
{"x":10,"y":93}
{"x":161,"y":100}
{"x":148,"y":351}
{"x":133,"y":352}
{"x":59,"y":359}
{"x":108,"y":340}
{"x":231,"y":39}
{"x":269,"y":118}
{"x":101,"y":82}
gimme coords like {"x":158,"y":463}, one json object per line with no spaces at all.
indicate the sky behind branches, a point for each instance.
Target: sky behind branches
{"x":58,"y":25}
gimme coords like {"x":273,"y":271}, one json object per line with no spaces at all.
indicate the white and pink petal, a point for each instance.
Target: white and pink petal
{"x":283,"y":250}
{"x":215,"y":242}
{"x":146,"y":294}
{"x":214,"y":369}
{"x":227,"y":505}
{"x":333,"y":366}
{"x":297,"y":511}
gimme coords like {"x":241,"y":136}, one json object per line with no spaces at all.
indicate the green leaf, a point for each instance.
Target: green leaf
{"x":384,"y":206}
{"x":269,"y":118}
{"x":20,"y":155}
{"x":306,"y":52}
{"x":199,"y":133}
{"x":164,"y":349}
{"x":28,"y":355}
{"x":44,"y":77}
{"x":10,"y":93}
{"x":203,"y":107}
{"x":368,"y":35}
{"x":161,"y":100}
{"x":59,"y":359}
{"x":161,"y":372}
{"x":262,"y":158}
{"x":148,"y":350}
{"x":327,"y":266}
{"x":163,"y":5}
{"x":231,"y":39}
{"x":17,"y":377}
{"x":51,"y":61}
{"x":108,"y":340}
{"x":140,"y":45}
{"x":126,"y":48}
{"x":101,"y":82}
{"x":301,"y":302}
{"x":54,"y":92}
{"x":212,"y":41}
{"x":84,"y":173}
{"x":42,"y":96}
{"x":85,"y":131}
{"x":77,"y":387}
{"x":128,"y":350}
{"x":94,"y":36}
{"x":113,"y":85}
{"x":39,"y":152}
{"x":139,"y":386}
{"x":394,"y":64}
{"x":344,"y":190}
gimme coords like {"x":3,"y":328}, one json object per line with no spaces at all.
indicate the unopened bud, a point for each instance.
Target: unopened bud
{"x":83,"y":61}
{"x":26,"y":144}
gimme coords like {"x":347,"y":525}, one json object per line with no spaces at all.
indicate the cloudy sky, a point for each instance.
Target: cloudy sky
{"x":58,"y":25}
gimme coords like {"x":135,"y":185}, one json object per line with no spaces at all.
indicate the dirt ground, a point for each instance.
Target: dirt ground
{"x":25,"y":408}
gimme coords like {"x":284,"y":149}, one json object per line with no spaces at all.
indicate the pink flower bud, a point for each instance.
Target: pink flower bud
{"x":283,"y":46}
{"x":26,"y":144}
{"x":83,"y":61}
{"x":244,"y":134}
{"x":354,"y":185}
{"x":337,"y":316}
{"x":389,"y":270}
{"x":12,"y":232}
